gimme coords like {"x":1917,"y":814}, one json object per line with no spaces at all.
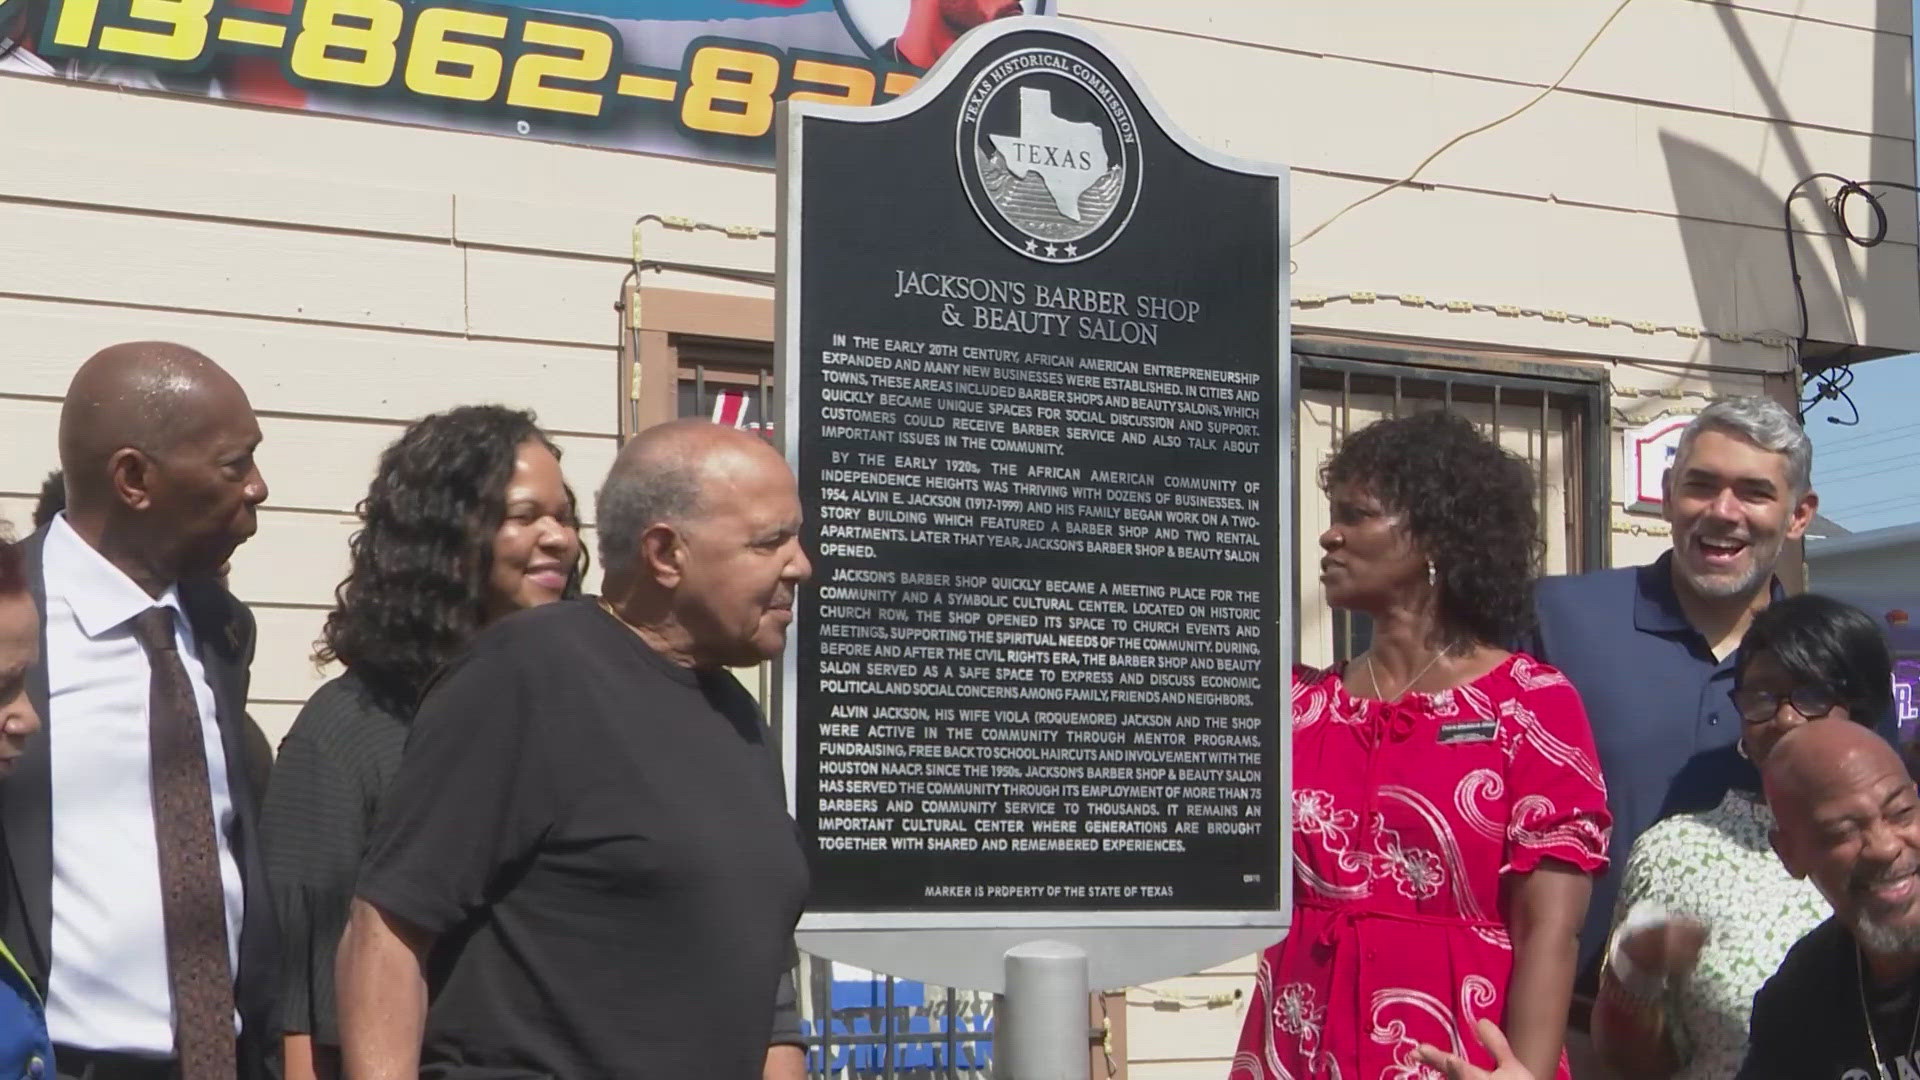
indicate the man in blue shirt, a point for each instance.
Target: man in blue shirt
{"x":1651,"y":648}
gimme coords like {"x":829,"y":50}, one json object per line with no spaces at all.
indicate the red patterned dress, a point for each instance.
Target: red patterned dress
{"x":1406,"y":818}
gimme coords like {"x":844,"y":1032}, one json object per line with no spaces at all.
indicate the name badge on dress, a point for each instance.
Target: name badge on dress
{"x":1468,"y":731}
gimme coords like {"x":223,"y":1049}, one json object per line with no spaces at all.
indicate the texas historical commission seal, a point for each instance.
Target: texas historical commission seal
{"x":1049,"y":155}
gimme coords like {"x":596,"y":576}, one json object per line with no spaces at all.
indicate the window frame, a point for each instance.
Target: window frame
{"x":1582,"y":392}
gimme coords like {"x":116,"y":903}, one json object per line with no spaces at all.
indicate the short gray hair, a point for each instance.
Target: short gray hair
{"x":1763,"y":422}
{"x":640,"y":494}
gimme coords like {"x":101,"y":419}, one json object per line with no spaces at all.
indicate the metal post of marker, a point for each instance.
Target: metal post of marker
{"x":1040,"y":1024}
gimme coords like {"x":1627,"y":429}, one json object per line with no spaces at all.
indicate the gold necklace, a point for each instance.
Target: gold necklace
{"x":1375,"y":679}
{"x":1866,"y":1014}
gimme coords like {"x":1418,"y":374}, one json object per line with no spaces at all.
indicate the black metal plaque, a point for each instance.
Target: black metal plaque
{"x":1035,"y":399}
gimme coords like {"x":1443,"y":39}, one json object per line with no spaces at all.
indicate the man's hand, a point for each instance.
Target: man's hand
{"x":1506,"y":1066}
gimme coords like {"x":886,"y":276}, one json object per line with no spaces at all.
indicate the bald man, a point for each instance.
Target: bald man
{"x":142,"y":910}
{"x":1845,"y":1003}
{"x":586,"y":867}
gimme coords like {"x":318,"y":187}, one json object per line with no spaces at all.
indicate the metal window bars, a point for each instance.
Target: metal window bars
{"x":1553,"y":416}
{"x":861,"y":1026}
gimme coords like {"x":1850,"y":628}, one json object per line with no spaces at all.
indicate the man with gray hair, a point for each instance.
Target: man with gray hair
{"x":586,"y":867}
{"x":1651,"y":648}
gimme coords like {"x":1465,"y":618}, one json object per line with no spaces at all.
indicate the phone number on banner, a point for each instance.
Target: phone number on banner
{"x":476,"y":54}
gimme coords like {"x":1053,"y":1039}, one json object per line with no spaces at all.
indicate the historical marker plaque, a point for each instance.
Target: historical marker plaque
{"x":1034,"y":390}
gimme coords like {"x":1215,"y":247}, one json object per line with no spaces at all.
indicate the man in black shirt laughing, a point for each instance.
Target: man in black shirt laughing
{"x":586,"y":868}
{"x":1845,"y":1003}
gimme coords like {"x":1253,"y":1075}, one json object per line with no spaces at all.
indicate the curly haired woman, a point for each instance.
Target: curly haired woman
{"x":468,"y":519}
{"x":1448,"y":809}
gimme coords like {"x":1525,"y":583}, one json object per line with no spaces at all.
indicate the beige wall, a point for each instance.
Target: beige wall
{"x":354,"y":274}
{"x":1648,"y":189}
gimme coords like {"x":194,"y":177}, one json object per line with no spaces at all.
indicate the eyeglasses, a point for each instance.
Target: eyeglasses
{"x":1759,"y":706}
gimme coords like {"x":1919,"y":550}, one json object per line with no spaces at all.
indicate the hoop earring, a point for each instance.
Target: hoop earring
{"x":1740,"y":747}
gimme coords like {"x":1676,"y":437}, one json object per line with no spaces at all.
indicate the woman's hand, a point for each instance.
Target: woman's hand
{"x":1505,"y":1065}
{"x":1662,"y":950}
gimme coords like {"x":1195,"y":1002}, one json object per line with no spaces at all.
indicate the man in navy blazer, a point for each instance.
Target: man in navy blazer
{"x":157,"y":446}
{"x":1651,"y":648}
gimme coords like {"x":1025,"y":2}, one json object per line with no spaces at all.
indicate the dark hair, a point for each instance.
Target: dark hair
{"x":53,"y":498}
{"x":417,"y":590}
{"x":1466,"y":502}
{"x":13,"y":564}
{"x":1819,"y":641}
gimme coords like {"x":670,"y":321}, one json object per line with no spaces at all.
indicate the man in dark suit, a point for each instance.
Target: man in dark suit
{"x":52,"y":500}
{"x":138,"y":902}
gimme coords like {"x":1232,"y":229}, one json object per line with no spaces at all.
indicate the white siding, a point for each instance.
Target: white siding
{"x":1647,"y":189}
{"x":355,"y":274}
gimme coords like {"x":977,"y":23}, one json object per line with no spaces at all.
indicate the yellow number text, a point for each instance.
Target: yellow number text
{"x":73,"y":22}
{"x":448,"y":68}
{"x":371,"y":55}
{"x":592,"y":59}
{"x":753,"y":94}
{"x":856,"y":84}
{"x":184,"y":42}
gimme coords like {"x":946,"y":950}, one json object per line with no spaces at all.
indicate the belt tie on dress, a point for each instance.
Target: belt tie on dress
{"x":1348,"y":916}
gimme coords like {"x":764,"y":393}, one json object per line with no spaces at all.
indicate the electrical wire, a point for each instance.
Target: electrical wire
{"x":1465,"y":135}
{"x":1888,"y":504}
{"x":1855,"y":443}
{"x":1831,"y":381}
{"x":725,"y":273}
{"x":1886,"y":465}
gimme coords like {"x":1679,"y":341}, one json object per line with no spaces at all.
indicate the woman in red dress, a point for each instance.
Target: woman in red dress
{"x":1448,"y":809}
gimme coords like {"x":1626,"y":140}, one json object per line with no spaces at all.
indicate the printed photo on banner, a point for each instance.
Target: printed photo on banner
{"x":685,"y":78}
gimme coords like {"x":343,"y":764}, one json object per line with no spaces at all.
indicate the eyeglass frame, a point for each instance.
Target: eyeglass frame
{"x":1826,"y":703}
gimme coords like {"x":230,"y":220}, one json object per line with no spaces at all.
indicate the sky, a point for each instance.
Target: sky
{"x":1868,"y":474}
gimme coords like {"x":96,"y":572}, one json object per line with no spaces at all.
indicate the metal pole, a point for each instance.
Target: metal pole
{"x":1041,"y":1031}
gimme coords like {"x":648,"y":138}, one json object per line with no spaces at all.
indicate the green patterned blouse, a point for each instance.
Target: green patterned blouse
{"x":1719,"y":867}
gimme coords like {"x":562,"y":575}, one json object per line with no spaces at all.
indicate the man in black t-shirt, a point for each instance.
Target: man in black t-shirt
{"x":1845,"y":1003}
{"x":586,"y":868}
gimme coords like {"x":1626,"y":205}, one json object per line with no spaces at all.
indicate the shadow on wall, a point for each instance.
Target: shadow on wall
{"x":1740,"y":271}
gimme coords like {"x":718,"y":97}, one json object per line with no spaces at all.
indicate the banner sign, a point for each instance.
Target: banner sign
{"x":687,"y":78}
{"x":1906,"y":697}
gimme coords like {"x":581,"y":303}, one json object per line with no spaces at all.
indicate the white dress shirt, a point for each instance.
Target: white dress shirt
{"x":108,"y":989}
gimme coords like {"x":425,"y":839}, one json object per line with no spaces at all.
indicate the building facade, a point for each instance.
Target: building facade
{"x":1592,"y":237}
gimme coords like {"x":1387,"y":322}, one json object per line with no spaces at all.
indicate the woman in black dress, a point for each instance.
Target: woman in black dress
{"x":468,"y":519}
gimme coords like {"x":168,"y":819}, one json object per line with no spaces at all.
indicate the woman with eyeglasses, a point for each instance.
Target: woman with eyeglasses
{"x":1706,"y":911}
